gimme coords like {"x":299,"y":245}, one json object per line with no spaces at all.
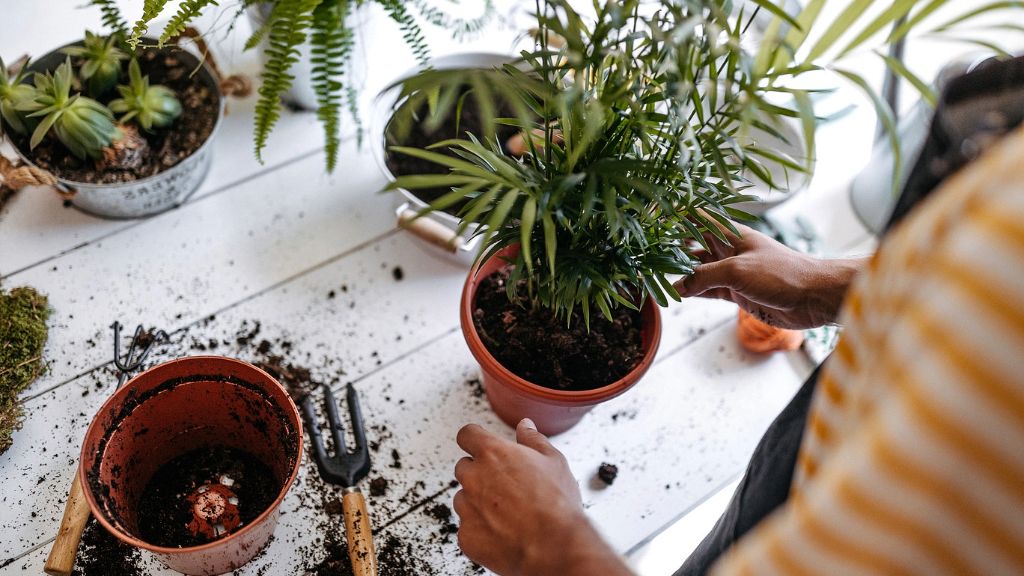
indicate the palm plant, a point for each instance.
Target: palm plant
{"x":149,"y":106}
{"x":100,"y":68}
{"x":646,"y":110}
{"x":82,"y":124}
{"x":325,"y":25}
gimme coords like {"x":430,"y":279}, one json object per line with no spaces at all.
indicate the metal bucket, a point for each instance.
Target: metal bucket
{"x":437,"y":229}
{"x":145,"y":196}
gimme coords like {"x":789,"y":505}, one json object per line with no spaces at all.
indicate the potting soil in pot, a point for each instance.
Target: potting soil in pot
{"x":542,"y":349}
{"x":420,"y":137}
{"x":204,"y":495}
{"x":161,"y":149}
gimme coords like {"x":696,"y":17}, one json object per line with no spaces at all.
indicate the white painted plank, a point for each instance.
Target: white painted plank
{"x":183,"y":265}
{"x":372,"y":320}
{"x":35,"y":227}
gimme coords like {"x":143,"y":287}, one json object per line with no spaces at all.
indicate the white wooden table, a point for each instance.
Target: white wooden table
{"x":270,"y":243}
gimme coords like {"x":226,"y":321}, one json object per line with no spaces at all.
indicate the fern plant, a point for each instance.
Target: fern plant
{"x":324,"y":24}
{"x":644,"y":113}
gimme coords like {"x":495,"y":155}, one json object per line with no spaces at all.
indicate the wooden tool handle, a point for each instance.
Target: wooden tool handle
{"x":76,"y":513}
{"x":430,"y":230}
{"x":359,"y":534}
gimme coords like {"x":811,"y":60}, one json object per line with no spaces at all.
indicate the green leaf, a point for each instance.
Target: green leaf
{"x":897,"y":10}
{"x":923,"y":88}
{"x":885,"y":114}
{"x":527,"y":220}
{"x":841,"y":25}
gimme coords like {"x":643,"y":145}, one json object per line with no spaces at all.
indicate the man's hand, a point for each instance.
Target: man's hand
{"x":520,"y":510}
{"x":776,"y":284}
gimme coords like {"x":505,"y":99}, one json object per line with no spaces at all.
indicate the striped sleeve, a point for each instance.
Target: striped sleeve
{"x":913,"y":458}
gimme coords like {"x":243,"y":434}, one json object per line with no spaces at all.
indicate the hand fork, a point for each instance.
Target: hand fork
{"x":346,"y":468}
{"x":61,"y":560}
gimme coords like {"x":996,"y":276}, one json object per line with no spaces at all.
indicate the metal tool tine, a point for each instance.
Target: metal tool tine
{"x":335,"y":422}
{"x":316,"y":438}
{"x":357,"y":419}
{"x":133,"y":361}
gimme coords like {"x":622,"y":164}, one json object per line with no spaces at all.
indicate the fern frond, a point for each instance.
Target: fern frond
{"x":112,"y":18}
{"x":352,"y":103}
{"x":150,"y":10}
{"x":257,"y":35}
{"x":291,"y":20}
{"x":462,"y":29}
{"x":411,"y":31}
{"x":187,"y":12}
{"x":331,"y":43}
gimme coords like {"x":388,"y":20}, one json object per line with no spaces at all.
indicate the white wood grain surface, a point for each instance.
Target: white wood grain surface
{"x":269,"y":243}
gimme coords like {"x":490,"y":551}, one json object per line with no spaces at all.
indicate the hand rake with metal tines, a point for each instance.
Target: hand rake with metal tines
{"x":61,"y":559}
{"x":345,"y":468}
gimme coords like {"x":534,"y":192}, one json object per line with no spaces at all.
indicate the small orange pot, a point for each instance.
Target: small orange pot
{"x":513,"y":398}
{"x":172,"y":409}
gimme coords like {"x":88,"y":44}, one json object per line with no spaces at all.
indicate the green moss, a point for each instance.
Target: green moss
{"x":23,"y":314}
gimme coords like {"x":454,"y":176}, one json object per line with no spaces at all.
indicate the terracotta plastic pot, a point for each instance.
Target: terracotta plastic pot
{"x":512,"y":398}
{"x":177,"y":407}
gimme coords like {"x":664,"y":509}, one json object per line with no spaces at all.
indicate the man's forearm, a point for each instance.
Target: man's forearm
{"x":576,"y":549}
{"x":832,"y":285}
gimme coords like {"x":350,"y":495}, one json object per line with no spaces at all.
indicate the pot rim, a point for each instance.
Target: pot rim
{"x":123,"y":536}
{"x":221,"y":105}
{"x":383,"y":109}
{"x":650,"y":314}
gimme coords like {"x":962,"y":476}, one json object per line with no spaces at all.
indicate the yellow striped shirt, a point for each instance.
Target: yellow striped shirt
{"x":912,"y":461}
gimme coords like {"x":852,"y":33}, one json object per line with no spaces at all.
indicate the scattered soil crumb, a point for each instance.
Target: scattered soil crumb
{"x":378,"y":486}
{"x":101,"y":554}
{"x":608,"y":473}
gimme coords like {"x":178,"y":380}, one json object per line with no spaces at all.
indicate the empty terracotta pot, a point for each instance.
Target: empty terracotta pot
{"x":173,"y":409}
{"x":512,"y":398}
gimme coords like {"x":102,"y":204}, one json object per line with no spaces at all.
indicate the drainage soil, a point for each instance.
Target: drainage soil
{"x":165,"y":509}
{"x":542,"y":349}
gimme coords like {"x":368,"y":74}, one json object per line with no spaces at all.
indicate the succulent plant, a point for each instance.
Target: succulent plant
{"x":82,"y":124}
{"x":149,"y":106}
{"x":12,"y":92}
{"x":101,"y":62}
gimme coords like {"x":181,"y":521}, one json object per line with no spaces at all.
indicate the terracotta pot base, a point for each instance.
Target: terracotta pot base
{"x":176,"y":408}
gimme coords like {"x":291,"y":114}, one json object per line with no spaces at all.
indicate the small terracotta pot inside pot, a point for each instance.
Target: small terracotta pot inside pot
{"x":512,"y":398}
{"x":175,"y":408}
